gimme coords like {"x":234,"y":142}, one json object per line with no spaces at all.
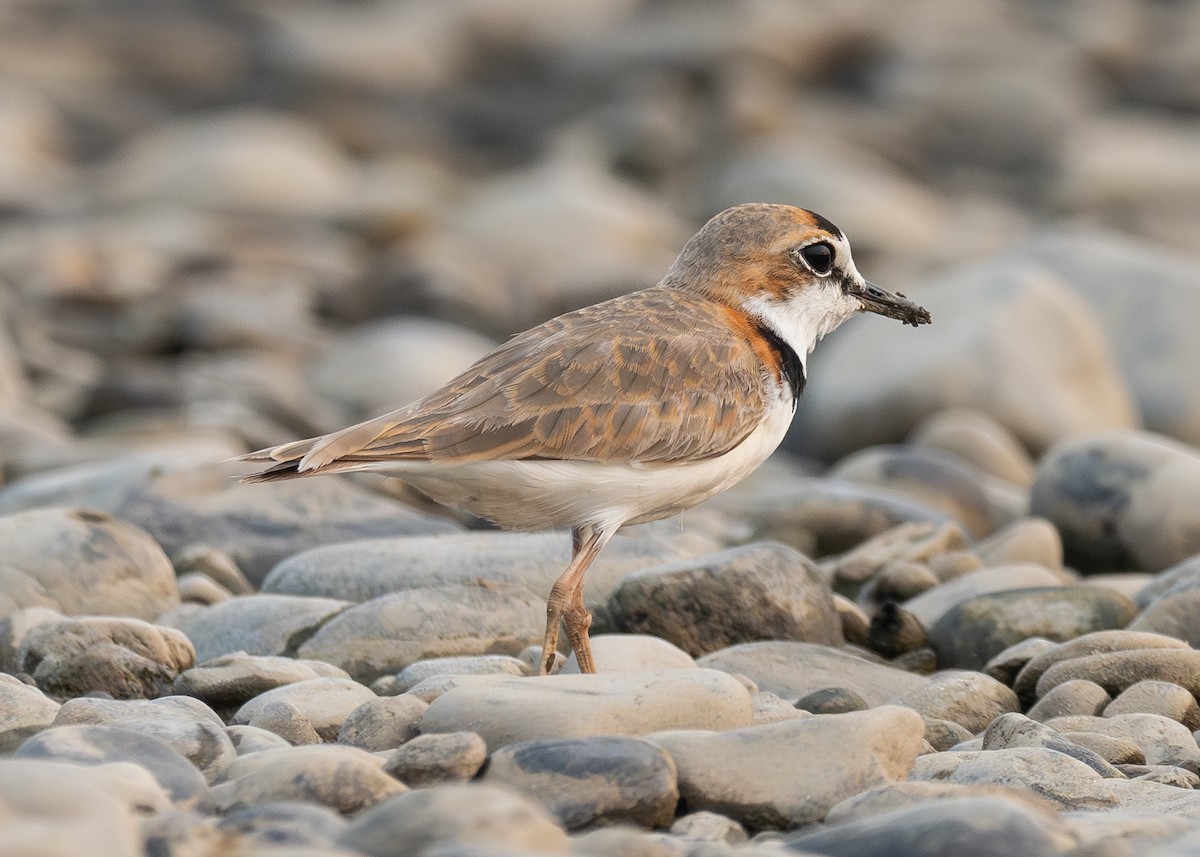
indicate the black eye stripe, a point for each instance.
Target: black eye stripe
{"x":818,"y":257}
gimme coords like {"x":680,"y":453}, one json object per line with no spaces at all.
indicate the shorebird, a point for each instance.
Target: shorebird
{"x":629,"y":410}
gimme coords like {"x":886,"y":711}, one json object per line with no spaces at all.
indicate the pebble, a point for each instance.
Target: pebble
{"x":1121,"y":500}
{"x":271,"y":826}
{"x":974,"y":631}
{"x":1058,"y":778}
{"x":80,"y":561}
{"x":981,"y":826}
{"x":582,"y":782}
{"x":383,"y":723}
{"x":455,"y":815}
{"x":1025,"y":540}
{"x":978,"y":439}
{"x":235,"y":678}
{"x":1172,"y":614}
{"x":705,"y":826}
{"x":1005,"y":666}
{"x":1157,"y":697}
{"x":325,"y":703}
{"x":256,"y":624}
{"x":1099,"y":642}
{"x":55,"y":808}
{"x":90,"y":744}
{"x":764,"y":590}
{"x":24,"y":711}
{"x":970,"y":699}
{"x":1118,"y":671}
{"x":564,"y":706}
{"x":1118,"y":751}
{"x":911,"y":542}
{"x":793,"y":670}
{"x":631,"y":653}
{"x":439,"y":757}
{"x":344,"y":779}
{"x":1163,"y":741}
{"x":943,"y":481}
{"x":784,"y":775}
{"x":417,"y":672}
{"x":125,"y":658}
{"x":931,"y":606}
{"x":1015,"y":730}
{"x":252,"y":739}
{"x":1078,"y":696}
{"x":187,"y":725}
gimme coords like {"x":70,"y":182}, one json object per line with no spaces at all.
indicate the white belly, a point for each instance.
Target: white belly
{"x":545,"y":494}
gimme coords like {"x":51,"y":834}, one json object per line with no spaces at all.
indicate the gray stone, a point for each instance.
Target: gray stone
{"x":24,"y":711}
{"x":974,"y":631}
{"x":235,"y":678}
{"x":284,"y":824}
{"x":1118,"y":751}
{"x":256,"y":624}
{"x":1173,"y":614}
{"x":527,"y":563}
{"x":981,"y":826}
{"x":793,"y":670}
{"x":455,"y":815}
{"x":345,"y":779}
{"x":931,"y":606}
{"x":1025,"y":540}
{"x":1167,"y":775}
{"x":1058,"y":778}
{"x":568,"y":706}
{"x":388,"y":633}
{"x":1099,"y":642}
{"x":1181,"y":577}
{"x":1163,"y":741}
{"x":1120,"y":499}
{"x":832,"y":700}
{"x":879,"y":382}
{"x":914,"y":542}
{"x":417,"y":672}
{"x":383,"y":723}
{"x":705,"y":826}
{"x":787,"y":774}
{"x":125,"y":658}
{"x":583,"y":782}
{"x":764,"y":590}
{"x":88,"y":744}
{"x":631,"y":653}
{"x":323,"y":702}
{"x":79,"y":561}
{"x":1078,"y":696}
{"x":13,"y":629}
{"x":286,"y":720}
{"x":252,"y":739}
{"x":439,"y":757}
{"x":1005,"y":666}
{"x":979,"y":440}
{"x":978,"y":501}
{"x":944,"y":735}
{"x":185,"y":503}
{"x":971,"y":699}
{"x":53,"y":808}
{"x":1157,"y":697}
{"x":1015,"y":730}
{"x":187,"y":725}
{"x":1118,"y":671}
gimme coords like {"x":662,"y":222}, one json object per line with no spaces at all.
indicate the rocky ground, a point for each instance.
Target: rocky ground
{"x":960,"y":614}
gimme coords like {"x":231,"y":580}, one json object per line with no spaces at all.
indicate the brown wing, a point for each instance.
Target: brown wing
{"x":641,"y":378}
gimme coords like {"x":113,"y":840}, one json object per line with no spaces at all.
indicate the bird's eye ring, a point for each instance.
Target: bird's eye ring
{"x":817,"y":257}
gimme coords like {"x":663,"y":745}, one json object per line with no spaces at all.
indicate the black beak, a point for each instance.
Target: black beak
{"x":891,"y":304}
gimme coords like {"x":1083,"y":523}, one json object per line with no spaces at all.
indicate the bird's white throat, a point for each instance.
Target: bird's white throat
{"x":803,"y":319}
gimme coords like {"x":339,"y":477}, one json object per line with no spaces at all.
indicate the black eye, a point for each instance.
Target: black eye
{"x":818,"y":257}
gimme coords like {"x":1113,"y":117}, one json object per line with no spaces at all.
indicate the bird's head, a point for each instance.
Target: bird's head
{"x":788,"y":267}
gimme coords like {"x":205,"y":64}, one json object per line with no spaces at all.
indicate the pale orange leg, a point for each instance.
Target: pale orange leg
{"x":566,"y":601}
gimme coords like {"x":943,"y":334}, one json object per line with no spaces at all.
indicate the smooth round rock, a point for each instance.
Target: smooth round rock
{"x":569,"y":706}
{"x":125,"y":658}
{"x":79,"y":561}
{"x":980,"y":826}
{"x":235,"y":678}
{"x":631,"y":653}
{"x":783,"y":775}
{"x":1015,"y":730}
{"x":324,"y":702}
{"x":1118,"y":751}
{"x":931,"y":606}
{"x":763,"y":590}
{"x":89,"y":744}
{"x":1157,"y":697}
{"x":1099,"y":642}
{"x":1077,"y":696}
{"x":1118,"y":671}
{"x":971,"y":699}
{"x":792,"y":670}
{"x":587,"y":781}
{"x":283,"y":824}
{"x":417,"y":672}
{"x":705,"y":826}
{"x":383,"y":723}
{"x":1054,"y":776}
{"x":974,"y":631}
{"x":24,"y":711}
{"x":345,"y":779}
{"x":1004,"y":666}
{"x":439,"y":757}
{"x":256,"y":624}
{"x":189,"y":726}
{"x":1025,"y":540}
{"x":252,"y":739}
{"x":978,"y":439}
{"x":1163,"y":741}
{"x":455,"y":815}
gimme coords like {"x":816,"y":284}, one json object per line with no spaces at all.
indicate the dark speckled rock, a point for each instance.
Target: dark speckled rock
{"x":588,"y":781}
